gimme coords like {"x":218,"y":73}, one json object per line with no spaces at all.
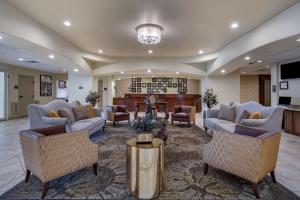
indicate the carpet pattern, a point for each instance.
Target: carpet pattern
{"x":184,"y":177}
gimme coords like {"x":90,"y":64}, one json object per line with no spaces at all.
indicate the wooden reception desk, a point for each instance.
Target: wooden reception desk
{"x":291,"y":119}
{"x":130,"y":100}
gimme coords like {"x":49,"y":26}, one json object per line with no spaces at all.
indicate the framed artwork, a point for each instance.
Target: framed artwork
{"x":45,"y":85}
{"x":169,"y":80}
{"x":184,"y":85}
{"x":149,"y":90}
{"x":179,"y":80}
{"x":144,"y":85}
{"x":179,"y":85}
{"x":139,"y":90}
{"x":139,"y":80}
{"x":62,"y":84}
{"x":133,"y":80}
{"x":158,"y":79}
{"x":165,"y":80}
{"x":153,"y":79}
{"x":179,"y":90}
{"x":159,"y":85}
{"x":165,"y":85}
{"x":133,"y":84}
{"x":184,"y":90}
{"x":184,"y":80}
{"x":284,"y":85}
{"x":133,"y":90}
{"x":170,"y":85}
{"x":148,"y":84}
{"x":165,"y":90}
{"x":174,"y":85}
{"x":139,"y":85}
{"x":153,"y":84}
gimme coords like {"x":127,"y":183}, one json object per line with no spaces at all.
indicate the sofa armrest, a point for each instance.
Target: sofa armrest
{"x":69,"y":152}
{"x":212,"y":113}
{"x":236,"y":154}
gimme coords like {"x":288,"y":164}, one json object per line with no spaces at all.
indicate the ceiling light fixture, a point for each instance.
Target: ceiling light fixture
{"x":76,"y":70}
{"x":122,"y":72}
{"x":100,"y":51}
{"x":20,"y":59}
{"x":259,"y":61}
{"x":51,"y":56}
{"x":247,"y":58}
{"x":268,"y":66}
{"x":150,"y":51}
{"x":234,"y":25}
{"x":177,"y":72}
{"x":149,"y":34}
{"x":223,"y":71}
{"x":149,"y":70}
{"x":67,"y":23}
{"x":152,"y":76}
{"x":298,"y":40}
{"x":64,"y":70}
{"x":201,"y":52}
{"x":1,"y":37}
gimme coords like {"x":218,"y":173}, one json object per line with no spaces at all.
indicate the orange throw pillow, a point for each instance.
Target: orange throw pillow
{"x":53,"y":113}
{"x":255,"y":115}
{"x":91,"y":111}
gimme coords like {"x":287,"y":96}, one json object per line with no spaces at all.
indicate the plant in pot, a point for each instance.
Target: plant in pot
{"x":93,"y":97}
{"x":209,"y":99}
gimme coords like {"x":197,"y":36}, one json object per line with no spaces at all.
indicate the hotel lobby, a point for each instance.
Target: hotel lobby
{"x":145,"y":99}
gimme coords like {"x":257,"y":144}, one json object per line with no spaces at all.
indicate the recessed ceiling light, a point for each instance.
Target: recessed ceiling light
{"x":76,"y":70}
{"x":177,"y":72}
{"x":64,"y":70}
{"x":20,"y":59}
{"x":67,"y":23}
{"x":298,"y":40}
{"x":51,"y":56}
{"x":1,"y":37}
{"x":150,"y":51}
{"x":152,"y":76}
{"x":268,"y":66}
{"x":223,"y":71}
{"x":100,"y":51}
{"x":259,"y":61}
{"x":119,"y":79}
{"x":149,"y":70}
{"x":234,"y":25}
{"x":201,"y":52}
{"x":122,"y":72}
{"x":247,"y":58}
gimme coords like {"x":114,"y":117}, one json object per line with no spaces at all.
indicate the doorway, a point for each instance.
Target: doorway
{"x":26,"y":93}
{"x":265,"y":90}
{"x":2,"y":95}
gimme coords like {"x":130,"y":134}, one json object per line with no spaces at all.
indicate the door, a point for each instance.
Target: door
{"x":265,"y":90}
{"x":26,"y":93}
{"x":2,"y":95}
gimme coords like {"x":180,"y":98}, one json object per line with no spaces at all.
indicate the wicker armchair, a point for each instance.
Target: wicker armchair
{"x":183,"y":114}
{"x":50,"y":153}
{"x":251,"y":158}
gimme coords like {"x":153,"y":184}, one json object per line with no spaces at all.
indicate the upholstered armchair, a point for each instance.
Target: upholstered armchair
{"x":251,"y":158}
{"x":50,"y":153}
{"x":116,"y":113}
{"x":183,"y":114}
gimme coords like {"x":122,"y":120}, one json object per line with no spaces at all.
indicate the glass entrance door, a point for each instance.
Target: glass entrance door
{"x":2,"y":95}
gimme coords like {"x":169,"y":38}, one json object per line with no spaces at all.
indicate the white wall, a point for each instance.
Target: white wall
{"x":77,"y":80}
{"x":274,"y":82}
{"x":227,"y":88}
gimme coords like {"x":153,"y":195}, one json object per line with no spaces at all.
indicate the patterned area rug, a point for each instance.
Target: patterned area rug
{"x":184,"y":177}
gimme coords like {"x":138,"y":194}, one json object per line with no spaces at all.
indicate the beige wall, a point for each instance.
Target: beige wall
{"x":121,"y":86}
{"x":249,"y":88}
{"x":13,"y":79}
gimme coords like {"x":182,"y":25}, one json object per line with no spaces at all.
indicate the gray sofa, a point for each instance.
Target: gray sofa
{"x":38,"y":115}
{"x":271,"y":118}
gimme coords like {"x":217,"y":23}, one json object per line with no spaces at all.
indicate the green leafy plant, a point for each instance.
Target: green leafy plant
{"x":210,"y":99}
{"x":93,"y":97}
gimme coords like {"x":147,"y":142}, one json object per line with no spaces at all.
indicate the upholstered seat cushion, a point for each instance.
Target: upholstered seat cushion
{"x":180,"y":115}
{"x":220,"y":124}
{"x":87,"y":124}
{"x":121,"y":114}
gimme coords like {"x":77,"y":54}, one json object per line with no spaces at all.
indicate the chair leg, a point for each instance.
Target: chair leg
{"x":45,"y":189}
{"x":254,"y":188}
{"x":172,"y":123}
{"x":189,"y":124}
{"x":95,"y":166}
{"x":272,"y":173}
{"x":28,"y":172}
{"x":205,"y":169}
{"x":205,"y":129}
{"x":114,"y":123}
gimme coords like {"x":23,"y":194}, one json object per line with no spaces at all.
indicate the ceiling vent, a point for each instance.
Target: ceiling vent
{"x":32,"y":61}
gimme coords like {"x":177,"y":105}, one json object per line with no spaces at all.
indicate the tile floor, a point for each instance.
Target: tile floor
{"x":12,"y":169}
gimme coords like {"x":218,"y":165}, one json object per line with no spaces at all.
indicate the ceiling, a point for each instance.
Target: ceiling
{"x":189,"y":25}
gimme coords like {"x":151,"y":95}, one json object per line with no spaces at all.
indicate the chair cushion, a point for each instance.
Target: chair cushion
{"x":66,"y":113}
{"x":177,"y":109}
{"x":220,"y":124}
{"x":227,"y":113}
{"x":249,"y":131}
{"x":186,"y":109}
{"x":53,"y":113}
{"x":51,"y":130}
{"x":81,"y":112}
{"x":121,"y":114}
{"x":87,"y":124}
{"x":122,"y":108}
{"x":181,"y":115}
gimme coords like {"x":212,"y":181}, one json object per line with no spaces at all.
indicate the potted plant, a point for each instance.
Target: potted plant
{"x":210,"y":99}
{"x":93,"y":97}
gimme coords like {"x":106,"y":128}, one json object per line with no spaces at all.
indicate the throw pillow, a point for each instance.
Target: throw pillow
{"x":81,"y":112}
{"x":244,"y":115}
{"x":227,"y":113}
{"x":53,"y":113}
{"x":66,"y":113}
{"x":255,"y":115}
{"x":249,"y":131}
{"x":91,"y":111}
